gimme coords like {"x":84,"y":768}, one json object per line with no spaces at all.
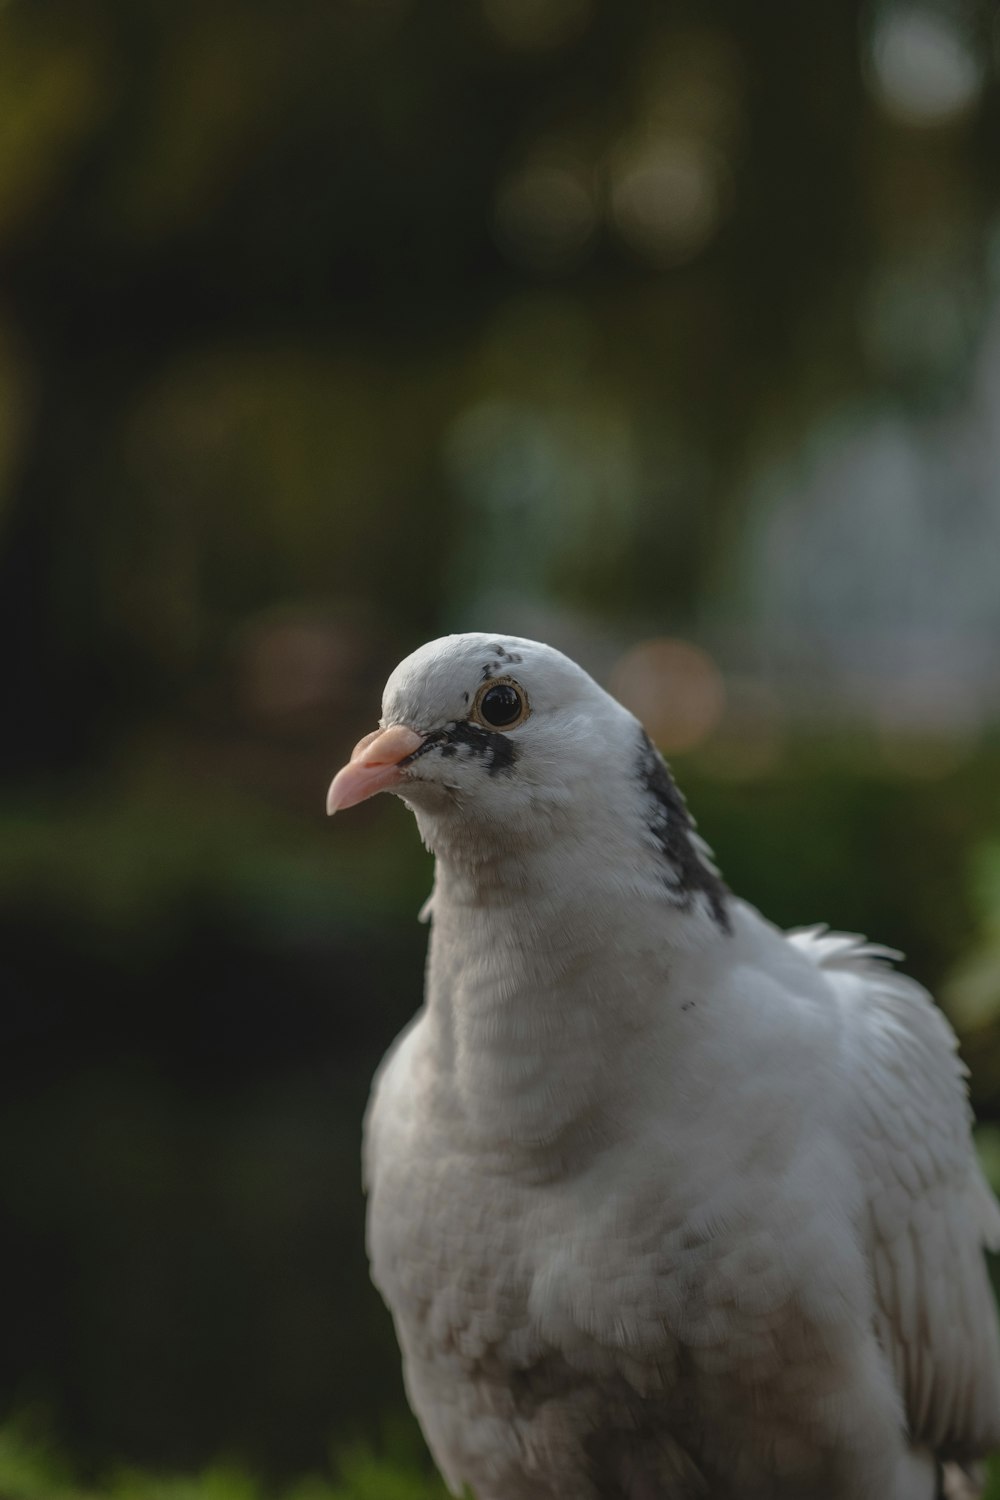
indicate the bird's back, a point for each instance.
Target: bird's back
{"x":928,"y":1212}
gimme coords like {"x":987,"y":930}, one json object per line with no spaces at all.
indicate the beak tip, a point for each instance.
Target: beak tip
{"x":375,"y":766}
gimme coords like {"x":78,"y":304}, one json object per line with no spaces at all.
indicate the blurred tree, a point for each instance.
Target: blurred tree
{"x":323,"y":328}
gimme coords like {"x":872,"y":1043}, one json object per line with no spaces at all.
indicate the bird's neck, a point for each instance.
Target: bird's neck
{"x":550,"y":980}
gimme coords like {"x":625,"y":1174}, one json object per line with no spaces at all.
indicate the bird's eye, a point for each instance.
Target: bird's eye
{"x":501,"y":705}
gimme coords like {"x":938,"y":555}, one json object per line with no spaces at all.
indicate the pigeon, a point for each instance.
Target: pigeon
{"x":665,"y":1203}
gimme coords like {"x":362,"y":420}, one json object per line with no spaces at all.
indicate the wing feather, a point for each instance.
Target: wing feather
{"x":929,"y":1211}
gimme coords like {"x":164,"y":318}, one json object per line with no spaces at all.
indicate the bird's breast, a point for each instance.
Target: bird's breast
{"x":594,"y":1302}
{"x":542,"y":1021}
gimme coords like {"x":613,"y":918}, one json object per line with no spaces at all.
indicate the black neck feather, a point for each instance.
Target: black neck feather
{"x":686,"y":872}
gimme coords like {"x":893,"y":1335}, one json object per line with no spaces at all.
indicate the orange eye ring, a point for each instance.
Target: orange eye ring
{"x":501,"y":704}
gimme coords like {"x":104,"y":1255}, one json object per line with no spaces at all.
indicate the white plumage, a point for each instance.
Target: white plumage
{"x":665,"y":1203}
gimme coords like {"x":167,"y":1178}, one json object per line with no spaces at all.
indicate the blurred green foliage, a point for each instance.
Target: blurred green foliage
{"x":182,"y":1168}
{"x":973,"y":993}
{"x":32,"y":1469}
{"x":326,"y":328}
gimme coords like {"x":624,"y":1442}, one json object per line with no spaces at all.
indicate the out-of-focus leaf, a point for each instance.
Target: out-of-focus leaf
{"x":992,"y":1490}
{"x":365,"y":1477}
{"x":972,"y":994}
{"x":988,"y":1150}
{"x":218,"y":1483}
{"x":31,"y":1468}
{"x":54,"y":90}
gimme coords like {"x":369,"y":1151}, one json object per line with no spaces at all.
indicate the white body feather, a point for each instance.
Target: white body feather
{"x":664,"y":1208}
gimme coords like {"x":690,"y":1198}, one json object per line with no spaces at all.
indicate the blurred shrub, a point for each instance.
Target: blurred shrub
{"x":179,"y":1142}
{"x":971,"y":995}
{"x":32,"y":1468}
{"x":973,"y":990}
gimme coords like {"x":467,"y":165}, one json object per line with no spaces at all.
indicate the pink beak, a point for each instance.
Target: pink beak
{"x":375,"y":766}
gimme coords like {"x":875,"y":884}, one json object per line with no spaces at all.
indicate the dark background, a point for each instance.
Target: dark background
{"x":668,"y":333}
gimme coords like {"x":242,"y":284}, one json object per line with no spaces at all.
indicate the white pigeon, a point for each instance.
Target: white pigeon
{"x":665,"y":1203}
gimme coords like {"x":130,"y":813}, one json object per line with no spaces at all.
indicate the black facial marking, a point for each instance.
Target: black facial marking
{"x":432,"y":742}
{"x":465,"y":698}
{"x":672,"y":826}
{"x":497,"y":752}
{"x":511,"y":657}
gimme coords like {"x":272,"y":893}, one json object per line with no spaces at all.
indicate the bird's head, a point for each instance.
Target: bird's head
{"x":502,"y":746}
{"x":493,"y":731}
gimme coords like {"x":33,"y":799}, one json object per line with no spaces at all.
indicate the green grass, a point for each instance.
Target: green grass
{"x":31,"y":1468}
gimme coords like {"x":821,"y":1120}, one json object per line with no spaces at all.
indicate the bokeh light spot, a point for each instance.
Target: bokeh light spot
{"x":923,"y":67}
{"x":289,"y":663}
{"x":665,"y":198}
{"x":674,"y":687}
{"x":545,"y":216}
{"x":537,"y":25}
{"x":921,"y":315}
